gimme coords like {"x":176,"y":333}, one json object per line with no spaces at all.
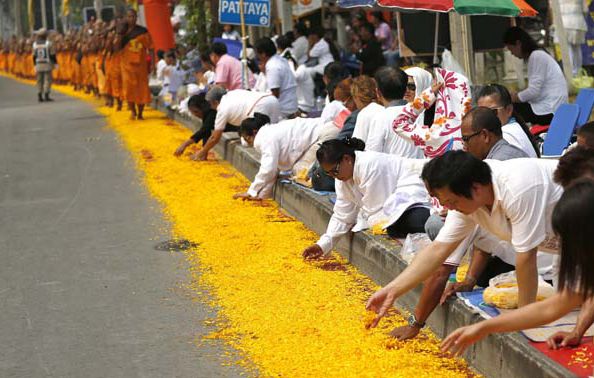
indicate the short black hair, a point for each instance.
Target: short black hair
{"x":391,"y":82}
{"x":265,"y":46}
{"x":587,"y":132}
{"x":199,"y":102}
{"x":456,"y":171}
{"x":483,"y":118}
{"x":250,"y":126}
{"x":283,"y":42}
{"x":335,"y":71}
{"x":170,"y":54}
{"x":160,"y":54}
{"x":219,"y":48}
{"x":572,"y":221}
{"x":575,"y":164}
{"x":205,"y":56}
{"x":301,"y":29}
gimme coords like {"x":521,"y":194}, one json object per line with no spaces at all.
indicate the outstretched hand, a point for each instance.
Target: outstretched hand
{"x":313,"y":252}
{"x":245,"y":197}
{"x":380,"y":303}
{"x":563,"y":339}
{"x":199,"y":156}
{"x":457,"y":342}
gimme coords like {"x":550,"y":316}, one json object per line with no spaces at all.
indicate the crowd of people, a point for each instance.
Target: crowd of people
{"x":409,"y":151}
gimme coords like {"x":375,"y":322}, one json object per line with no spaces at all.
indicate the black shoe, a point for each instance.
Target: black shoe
{"x":39,"y":98}
{"x":47,"y":97}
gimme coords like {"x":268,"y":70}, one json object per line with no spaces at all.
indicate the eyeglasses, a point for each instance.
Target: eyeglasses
{"x":411,"y":87}
{"x":466,"y":138}
{"x":334,"y":171}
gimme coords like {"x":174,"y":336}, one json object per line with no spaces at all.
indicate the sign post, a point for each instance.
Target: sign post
{"x":244,"y":12}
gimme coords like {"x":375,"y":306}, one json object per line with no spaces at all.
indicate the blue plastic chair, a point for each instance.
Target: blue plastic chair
{"x":585,"y":100}
{"x":561,"y":130}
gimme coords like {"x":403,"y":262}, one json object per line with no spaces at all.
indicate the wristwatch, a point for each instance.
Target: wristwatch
{"x":413,"y":322}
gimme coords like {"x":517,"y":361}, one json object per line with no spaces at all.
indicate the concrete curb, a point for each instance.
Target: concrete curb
{"x":498,"y":356}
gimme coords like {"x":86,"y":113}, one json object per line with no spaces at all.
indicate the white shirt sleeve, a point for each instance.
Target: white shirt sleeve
{"x":266,"y":177}
{"x":457,"y":226}
{"x":221,"y":118}
{"x":274,"y":76}
{"x":343,"y":219}
{"x":527,"y":215}
{"x":537,"y":70}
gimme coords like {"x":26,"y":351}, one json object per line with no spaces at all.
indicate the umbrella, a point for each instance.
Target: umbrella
{"x":509,"y":8}
{"x":356,"y":3}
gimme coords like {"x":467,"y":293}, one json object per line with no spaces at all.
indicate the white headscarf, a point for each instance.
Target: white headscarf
{"x":422,"y":78}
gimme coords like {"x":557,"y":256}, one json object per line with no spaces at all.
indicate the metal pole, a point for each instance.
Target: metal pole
{"x":244,"y":80}
{"x":43,"y":14}
{"x":436,"y":39}
{"x":54,"y":17}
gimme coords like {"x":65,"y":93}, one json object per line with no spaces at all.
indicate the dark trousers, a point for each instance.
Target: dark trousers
{"x":494,"y":267}
{"x":525,"y":111}
{"x":412,"y":221}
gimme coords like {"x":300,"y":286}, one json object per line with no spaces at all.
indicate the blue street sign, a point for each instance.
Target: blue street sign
{"x":255,"y":12}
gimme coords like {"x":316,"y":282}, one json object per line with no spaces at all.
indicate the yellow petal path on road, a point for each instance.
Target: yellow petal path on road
{"x":285,"y":317}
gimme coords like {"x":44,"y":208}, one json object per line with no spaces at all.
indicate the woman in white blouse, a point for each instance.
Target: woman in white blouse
{"x":547,"y":88}
{"x":515,"y":132}
{"x":372,"y":189}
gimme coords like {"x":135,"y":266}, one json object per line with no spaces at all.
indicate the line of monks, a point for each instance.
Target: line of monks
{"x":112,"y":60}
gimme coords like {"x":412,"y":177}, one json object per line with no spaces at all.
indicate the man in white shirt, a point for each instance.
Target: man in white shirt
{"x":513,"y":200}
{"x":300,"y":44}
{"x":280,"y":79}
{"x":232,"y":108}
{"x":391,"y":87}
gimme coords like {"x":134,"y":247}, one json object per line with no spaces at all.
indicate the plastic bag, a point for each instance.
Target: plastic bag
{"x":583,"y":80}
{"x":450,"y":63}
{"x":503,"y":291}
{"x":412,"y":244}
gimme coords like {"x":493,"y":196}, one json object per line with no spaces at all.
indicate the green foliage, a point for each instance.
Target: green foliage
{"x":198,"y":16}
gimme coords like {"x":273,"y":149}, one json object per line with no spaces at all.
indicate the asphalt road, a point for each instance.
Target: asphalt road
{"x":83,"y":292}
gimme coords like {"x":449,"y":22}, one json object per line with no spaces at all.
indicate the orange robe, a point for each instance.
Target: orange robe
{"x":116,"y":75}
{"x":135,"y":72}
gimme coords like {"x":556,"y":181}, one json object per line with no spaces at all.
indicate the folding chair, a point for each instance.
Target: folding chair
{"x":585,"y":100}
{"x":561,"y":130}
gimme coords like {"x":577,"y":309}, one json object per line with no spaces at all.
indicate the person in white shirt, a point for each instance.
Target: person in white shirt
{"x":280,"y":79}
{"x":498,"y":98}
{"x":513,"y":200}
{"x":364,"y":92}
{"x":391,"y":86}
{"x":280,"y":145}
{"x":321,"y":53}
{"x":547,"y":88}
{"x":300,"y":44}
{"x":232,"y":108}
{"x":371,"y":189}
{"x":161,"y":64}
{"x":230,"y":33}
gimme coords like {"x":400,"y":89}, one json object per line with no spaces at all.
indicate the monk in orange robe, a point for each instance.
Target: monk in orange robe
{"x":136,"y":43}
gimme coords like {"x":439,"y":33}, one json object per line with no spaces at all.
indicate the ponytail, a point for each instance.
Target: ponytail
{"x":332,"y":151}
{"x":250,"y":126}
